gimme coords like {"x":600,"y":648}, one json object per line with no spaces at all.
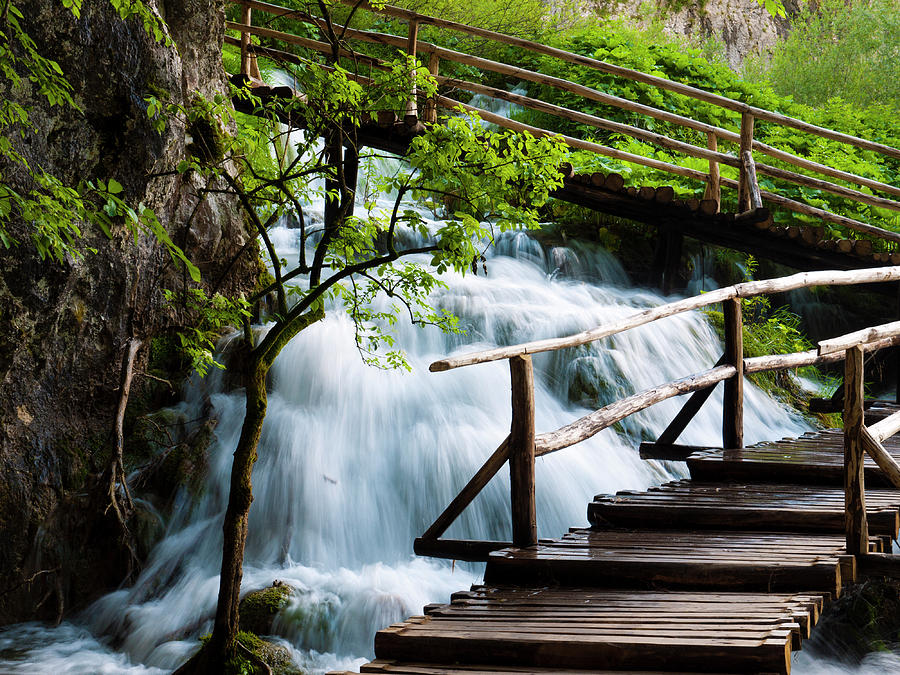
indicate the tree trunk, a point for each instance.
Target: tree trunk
{"x":238,"y":512}
{"x":211,"y":659}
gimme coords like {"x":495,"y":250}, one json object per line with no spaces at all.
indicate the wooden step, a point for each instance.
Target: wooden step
{"x":814,"y":458}
{"x":401,"y":668}
{"x":739,"y":506}
{"x":564,"y":630}
{"x":679,"y":559}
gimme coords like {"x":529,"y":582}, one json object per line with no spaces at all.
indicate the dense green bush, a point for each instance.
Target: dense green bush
{"x":629,"y":48}
{"x":837,"y":49}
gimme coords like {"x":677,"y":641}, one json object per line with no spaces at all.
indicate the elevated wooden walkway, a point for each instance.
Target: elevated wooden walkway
{"x":723,"y":139}
{"x":692,"y":576}
{"x":726,"y":572}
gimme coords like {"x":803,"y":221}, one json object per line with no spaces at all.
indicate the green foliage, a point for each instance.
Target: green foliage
{"x":213,"y":314}
{"x":481,"y":182}
{"x":846,"y":50}
{"x":629,"y":48}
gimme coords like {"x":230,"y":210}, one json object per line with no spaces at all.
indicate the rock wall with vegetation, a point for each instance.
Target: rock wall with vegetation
{"x":742,"y":28}
{"x":65,"y":328}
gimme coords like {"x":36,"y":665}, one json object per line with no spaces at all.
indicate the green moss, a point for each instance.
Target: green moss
{"x":208,"y":139}
{"x":276,"y":657}
{"x":258,"y":609}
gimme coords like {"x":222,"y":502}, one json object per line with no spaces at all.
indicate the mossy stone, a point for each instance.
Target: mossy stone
{"x":258,"y":609}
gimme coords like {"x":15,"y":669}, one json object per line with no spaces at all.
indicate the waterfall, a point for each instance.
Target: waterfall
{"x":355,"y":462}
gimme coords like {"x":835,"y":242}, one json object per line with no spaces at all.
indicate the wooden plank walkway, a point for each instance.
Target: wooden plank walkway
{"x":814,"y":458}
{"x":725,"y":575}
{"x":776,"y":507}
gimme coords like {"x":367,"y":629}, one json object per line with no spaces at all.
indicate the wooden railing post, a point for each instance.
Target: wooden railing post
{"x":746,"y":146}
{"x":434,"y":65}
{"x":854,"y":483}
{"x":412,"y":114}
{"x":521,"y":452}
{"x":713,"y":188}
{"x":249,"y":66}
{"x":733,"y":404}
{"x":245,"y":42}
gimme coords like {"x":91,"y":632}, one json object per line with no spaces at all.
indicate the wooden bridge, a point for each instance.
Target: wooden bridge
{"x":727,"y":572}
{"x":750,"y":227}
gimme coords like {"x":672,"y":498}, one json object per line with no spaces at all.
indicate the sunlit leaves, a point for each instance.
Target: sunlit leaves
{"x":213,"y":315}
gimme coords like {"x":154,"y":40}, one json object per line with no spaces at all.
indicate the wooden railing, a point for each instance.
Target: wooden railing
{"x":858,"y":438}
{"x":749,"y":194}
{"x":523,"y":444}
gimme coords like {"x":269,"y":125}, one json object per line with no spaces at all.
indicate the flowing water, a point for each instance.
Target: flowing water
{"x":355,"y":462}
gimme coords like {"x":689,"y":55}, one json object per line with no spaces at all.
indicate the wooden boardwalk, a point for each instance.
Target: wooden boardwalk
{"x":727,"y":572}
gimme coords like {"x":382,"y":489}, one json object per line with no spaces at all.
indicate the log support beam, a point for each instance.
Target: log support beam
{"x":733,"y":404}
{"x":854,"y":481}
{"x":521,"y":452}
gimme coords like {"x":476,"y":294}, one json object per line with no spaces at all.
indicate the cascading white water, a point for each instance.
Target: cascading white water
{"x":355,"y":462}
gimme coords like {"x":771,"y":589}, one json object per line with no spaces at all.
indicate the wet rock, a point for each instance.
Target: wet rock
{"x":277,"y":657}
{"x":865,"y":619}
{"x":64,"y":327}
{"x":258,"y":609}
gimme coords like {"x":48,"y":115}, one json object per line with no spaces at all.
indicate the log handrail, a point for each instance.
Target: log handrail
{"x":525,"y":446}
{"x":747,"y":289}
{"x":749,"y":194}
{"x":628,"y":73}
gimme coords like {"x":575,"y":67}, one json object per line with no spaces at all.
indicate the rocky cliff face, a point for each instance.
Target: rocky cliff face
{"x":64,"y":328}
{"x":744,"y":27}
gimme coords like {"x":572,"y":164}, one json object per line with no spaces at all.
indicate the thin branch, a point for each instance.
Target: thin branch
{"x":262,"y":230}
{"x":262,"y":350}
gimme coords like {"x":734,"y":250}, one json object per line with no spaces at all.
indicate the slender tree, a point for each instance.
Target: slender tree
{"x":285,"y":155}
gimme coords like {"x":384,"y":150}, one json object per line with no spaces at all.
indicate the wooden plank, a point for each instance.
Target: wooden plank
{"x":739,"y":516}
{"x":584,"y":651}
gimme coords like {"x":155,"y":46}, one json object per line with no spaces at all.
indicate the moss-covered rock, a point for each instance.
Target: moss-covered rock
{"x":258,"y":609}
{"x":275,"y":656}
{"x":865,"y":619}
